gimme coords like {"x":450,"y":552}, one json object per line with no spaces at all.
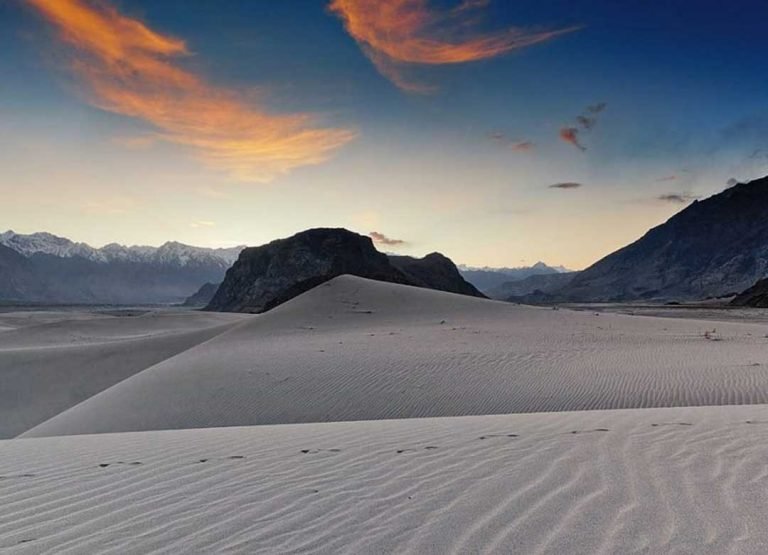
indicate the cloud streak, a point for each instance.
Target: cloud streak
{"x":566,"y":185}
{"x":396,"y":34}
{"x":514,"y":145}
{"x":381,"y":239}
{"x":131,"y":70}
{"x":677,"y":198}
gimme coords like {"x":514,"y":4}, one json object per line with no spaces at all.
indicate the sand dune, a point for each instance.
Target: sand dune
{"x":50,"y":361}
{"x":681,"y":480}
{"x":354,"y":349}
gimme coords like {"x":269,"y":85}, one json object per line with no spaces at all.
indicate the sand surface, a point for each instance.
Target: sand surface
{"x":681,"y":480}
{"x":355,"y":349}
{"x":50,"y":361}
{"x":376,"y":359}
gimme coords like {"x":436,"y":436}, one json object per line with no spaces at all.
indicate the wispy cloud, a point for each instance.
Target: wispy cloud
{"x":202,"y":223}
{"x":566,"y":185}
{"x":114,"y":205}
{"x":585,"y":122}
{"x":397,"y":33}
{"x":381,"y":239}
{"x":131,"y":70}
{"x":677,"y":198}
{"x":516,"y":145}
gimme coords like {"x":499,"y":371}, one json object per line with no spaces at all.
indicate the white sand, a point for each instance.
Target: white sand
{"x":50,"y":361}
{"x":685,"y":480}
{"x":646,"y":480}
{"x":355,"y":349}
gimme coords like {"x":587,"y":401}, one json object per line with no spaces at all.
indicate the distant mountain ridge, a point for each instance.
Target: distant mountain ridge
{"x":712,"y":248}
{"x":45,"y":268}
{"x":267,"y":276}
{"x":488,"y":279}
{"x":170,"y":252}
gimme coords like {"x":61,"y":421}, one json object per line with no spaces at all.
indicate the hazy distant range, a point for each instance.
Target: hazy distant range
{"x":45,"y":268}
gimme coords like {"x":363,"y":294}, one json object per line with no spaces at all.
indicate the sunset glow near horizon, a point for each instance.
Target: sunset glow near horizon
{"x":499,"y":133}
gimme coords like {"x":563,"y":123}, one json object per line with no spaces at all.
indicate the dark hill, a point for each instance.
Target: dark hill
{"x":711,"y":248}
{"x":434,"y":271}
{"x":756,"y":296}
{"x":266,"y":276}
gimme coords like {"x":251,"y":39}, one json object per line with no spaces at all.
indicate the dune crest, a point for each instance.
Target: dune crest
{"x":357,"y":349}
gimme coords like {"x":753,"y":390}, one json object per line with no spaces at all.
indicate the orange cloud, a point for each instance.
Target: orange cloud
{"x":381,"y":239}
{"x":397,"y":32}
{"x":131,"y":70}
{"x":512,"y":144}
{"x":522,"y":146}
{"x":584,"y":122}
{"x":571,"y":135}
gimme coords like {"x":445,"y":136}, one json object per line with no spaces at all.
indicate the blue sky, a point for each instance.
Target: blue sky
{"x":683,"y":83}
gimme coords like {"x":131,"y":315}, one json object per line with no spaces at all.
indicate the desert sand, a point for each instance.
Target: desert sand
{"x":679,"y":480}
{"x":50,"y":361}
{"x":356,"y":349}
{"x":366,"y":417}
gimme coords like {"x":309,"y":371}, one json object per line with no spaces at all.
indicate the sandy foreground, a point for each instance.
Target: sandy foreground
{"x":337,"y":423}
{"x":680,"y":480}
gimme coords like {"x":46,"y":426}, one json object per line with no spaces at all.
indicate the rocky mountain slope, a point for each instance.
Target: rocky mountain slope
{"x":532,"y":285}
{"x":202,"y":296}
{"x":756,"y":296}
{"x":434,"y":271}
{"x":711,"y":248}
{"x":266,"y":276}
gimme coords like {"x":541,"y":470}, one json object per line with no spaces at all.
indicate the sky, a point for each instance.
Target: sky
{"x":500,"y":133}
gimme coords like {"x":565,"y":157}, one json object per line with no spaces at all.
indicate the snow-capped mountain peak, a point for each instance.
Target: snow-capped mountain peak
{"x":171,"y":252}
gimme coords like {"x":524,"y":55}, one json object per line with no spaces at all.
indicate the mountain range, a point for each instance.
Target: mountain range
{"x":45,"y":268}
{"x":489,"y":280}
{"x":715,"y":247}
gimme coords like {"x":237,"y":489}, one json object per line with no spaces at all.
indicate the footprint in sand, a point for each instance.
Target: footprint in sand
{"x":489,"y":436}
{"x":313,"y":451}
{"x":671,"y":424}
{"x":427,"y":448}
{"x":590,"y":431}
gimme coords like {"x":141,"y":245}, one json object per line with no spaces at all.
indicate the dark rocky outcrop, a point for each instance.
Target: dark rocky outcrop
{"x":756,"y":296}
{"x":434,"y":271}
{"x":709,"y":249}
{"x":266,"y":276}
{"x":203,"y":295}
